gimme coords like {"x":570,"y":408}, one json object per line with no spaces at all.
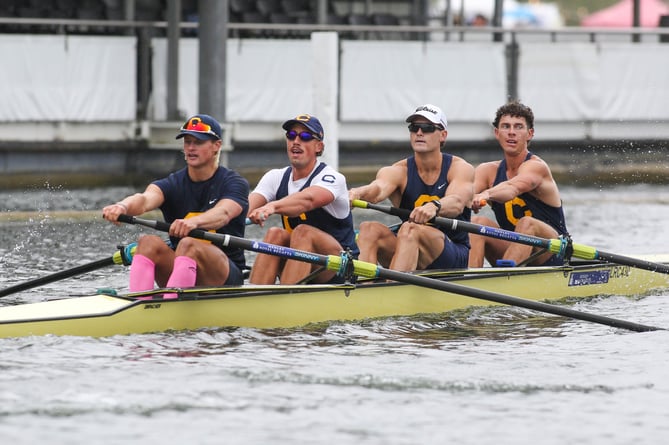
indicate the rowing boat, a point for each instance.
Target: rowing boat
{"x":380,"y":293}
{"x":276,"y":306}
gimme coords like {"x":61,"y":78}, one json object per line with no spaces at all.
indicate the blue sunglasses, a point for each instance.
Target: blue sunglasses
{"x":304,"y":135}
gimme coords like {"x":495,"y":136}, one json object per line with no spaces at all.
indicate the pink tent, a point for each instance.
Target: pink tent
{"x":622,"y":14}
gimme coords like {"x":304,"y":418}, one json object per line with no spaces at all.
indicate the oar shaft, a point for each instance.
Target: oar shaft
{"x":361,"y":268}
{"x":633,"y":262}
{"x":119,"y":257}
{"x":553,"y":245}
{"x":512,"y":301}
{"x":331,"y":262}
{"x":464,"y":226}
{"x":58,"y":276}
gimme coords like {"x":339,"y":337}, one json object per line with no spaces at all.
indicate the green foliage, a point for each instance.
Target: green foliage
{"x":574,"y":10}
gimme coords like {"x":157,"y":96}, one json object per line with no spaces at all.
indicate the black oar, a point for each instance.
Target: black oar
{"x":556,"y":246}
{"x":369,"y":270}
{"x":117,"y":258}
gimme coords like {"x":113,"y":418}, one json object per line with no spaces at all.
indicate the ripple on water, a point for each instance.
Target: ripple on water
{"x":477,"y":376}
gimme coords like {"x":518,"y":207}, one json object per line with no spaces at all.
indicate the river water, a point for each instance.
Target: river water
{"x":494,"y":376}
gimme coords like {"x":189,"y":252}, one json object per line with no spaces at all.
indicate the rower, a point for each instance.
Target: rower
{"x":202,"y":195}
{"x":522,"y":193}
{"x":311,"y":198}
{"x":428,"y":184}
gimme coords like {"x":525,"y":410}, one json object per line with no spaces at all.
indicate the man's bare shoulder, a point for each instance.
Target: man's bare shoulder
{"x":402,"y":163}
{"x":461,"y":162}
{"x":398,"y":168}
{"x":488,"y":166}
{"x":392,"y":176}
{"x":535,"y":158}
{"x":535,"y":163}
{"x":152,"y":189}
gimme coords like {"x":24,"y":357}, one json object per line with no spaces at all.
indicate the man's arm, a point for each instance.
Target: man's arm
{"x":310,"y":198}
{"x":136,"y":204}
{"x":256,"y":200}
{"x":389,"y":181}
{"x":144,"y":202}
{"x":484,"y":176}
{"x":531,"y":175}
{"x":264,"y":192}
{"x":460,"y":190}
{"x":218,"y":216}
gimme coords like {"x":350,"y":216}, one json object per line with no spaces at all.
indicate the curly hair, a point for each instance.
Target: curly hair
{"x":514,"y":109}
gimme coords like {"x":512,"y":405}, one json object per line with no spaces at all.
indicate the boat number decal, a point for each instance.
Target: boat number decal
{"x":152,"y":306}
{"x":598,"y":276}
{"x":586,"y":278}
{"x":620,"y":271}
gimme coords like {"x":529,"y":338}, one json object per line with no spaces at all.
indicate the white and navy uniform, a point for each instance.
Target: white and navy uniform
{"x":334,"y":218}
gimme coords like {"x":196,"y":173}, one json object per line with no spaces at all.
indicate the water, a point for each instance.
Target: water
{"x":496,"y":375}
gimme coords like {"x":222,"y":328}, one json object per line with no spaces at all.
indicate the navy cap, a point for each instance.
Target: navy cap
{"x":202,"y":126}
{"x":311,"y":122}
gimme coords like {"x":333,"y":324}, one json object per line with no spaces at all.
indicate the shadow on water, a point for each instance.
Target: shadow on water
{"x":422,"y":330}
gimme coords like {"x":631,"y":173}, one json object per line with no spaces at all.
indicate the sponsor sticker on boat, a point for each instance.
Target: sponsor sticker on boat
{"x":598,"y":276}
{"x":587,"y":278}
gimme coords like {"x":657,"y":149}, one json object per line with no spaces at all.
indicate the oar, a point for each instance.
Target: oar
{"x":369,"y":270}
{"x":556,"y":246}
{"x":117,"y":258}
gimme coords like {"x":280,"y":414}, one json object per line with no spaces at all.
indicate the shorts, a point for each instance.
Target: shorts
{"x":454,"y":256}
{"x":554,"y":260}
{"x":235,"y":277}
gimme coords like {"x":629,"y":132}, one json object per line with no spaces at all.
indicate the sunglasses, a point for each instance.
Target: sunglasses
{"x":196,"y":124}
{"x":425,"y":128}
{"x":304,"y":135}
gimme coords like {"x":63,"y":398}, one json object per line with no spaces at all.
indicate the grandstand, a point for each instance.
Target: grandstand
{"x":282,"y":12}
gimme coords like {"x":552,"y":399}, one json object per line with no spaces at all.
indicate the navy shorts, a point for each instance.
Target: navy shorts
{"x":454,"y":256}
{"x":235,"y":277}
{"x":554,"y":260}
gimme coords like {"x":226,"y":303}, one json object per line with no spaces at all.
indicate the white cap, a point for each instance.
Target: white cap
{"x":430,"y":112}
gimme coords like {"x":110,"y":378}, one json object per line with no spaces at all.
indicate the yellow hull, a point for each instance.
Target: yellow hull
{"x":292,"y":306}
